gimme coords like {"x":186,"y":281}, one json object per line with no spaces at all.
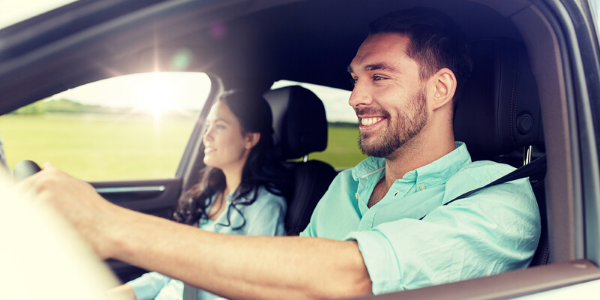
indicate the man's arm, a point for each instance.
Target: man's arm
{"x":240,"y":267}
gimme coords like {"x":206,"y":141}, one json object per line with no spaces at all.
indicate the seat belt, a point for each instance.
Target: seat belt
{"x":536,"y":167}
{"x":190,"y":292}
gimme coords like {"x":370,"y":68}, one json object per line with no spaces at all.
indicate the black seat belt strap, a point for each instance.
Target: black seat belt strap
{"x":190,"y":292}
{"x":536,"y":167}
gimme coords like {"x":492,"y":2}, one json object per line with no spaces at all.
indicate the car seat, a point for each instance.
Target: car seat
{"x":300,"y":127}
{"x":499,"y":112}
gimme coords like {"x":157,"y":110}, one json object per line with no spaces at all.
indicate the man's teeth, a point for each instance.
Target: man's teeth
{"x":369,"y":121}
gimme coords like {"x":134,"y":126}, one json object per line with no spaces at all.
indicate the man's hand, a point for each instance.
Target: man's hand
{"x":76,"y":200}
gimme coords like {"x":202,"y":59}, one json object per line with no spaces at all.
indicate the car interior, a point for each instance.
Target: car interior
{"x":295,"y":138}
{"x":524,"y":75}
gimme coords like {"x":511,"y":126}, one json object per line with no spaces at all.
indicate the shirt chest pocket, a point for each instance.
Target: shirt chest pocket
{"x":412,"y":206}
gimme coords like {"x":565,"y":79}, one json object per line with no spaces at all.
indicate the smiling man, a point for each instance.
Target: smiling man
{"x":382,"y":226}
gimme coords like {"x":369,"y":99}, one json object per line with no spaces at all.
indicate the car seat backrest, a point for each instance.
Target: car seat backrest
{"x":300,"y":127}
{"x":499,"y":111}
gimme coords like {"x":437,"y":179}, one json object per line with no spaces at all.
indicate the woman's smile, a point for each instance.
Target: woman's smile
{"x":208,"y":149}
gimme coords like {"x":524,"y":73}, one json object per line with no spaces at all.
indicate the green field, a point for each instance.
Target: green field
{"x":109,"y":147}
{"x":342,"y":148}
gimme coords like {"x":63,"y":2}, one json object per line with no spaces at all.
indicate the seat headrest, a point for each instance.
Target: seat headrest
{"x":499,"y":111}
{"x":299,"y":121}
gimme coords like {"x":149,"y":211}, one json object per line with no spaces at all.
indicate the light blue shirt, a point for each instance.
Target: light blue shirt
{"x":266,"y":216}
{"x":494,"y":230}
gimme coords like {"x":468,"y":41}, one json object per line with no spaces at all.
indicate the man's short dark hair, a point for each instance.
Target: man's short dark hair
{"x":436,"y":41}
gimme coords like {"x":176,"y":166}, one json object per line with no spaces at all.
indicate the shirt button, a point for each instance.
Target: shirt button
{"x":395,"y":194}
{"x":422,"y":187}
{"x":356,"y":195}
{"x":362,"y":230}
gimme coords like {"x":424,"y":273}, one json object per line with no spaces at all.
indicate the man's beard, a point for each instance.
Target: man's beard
{"x":410,"y":121}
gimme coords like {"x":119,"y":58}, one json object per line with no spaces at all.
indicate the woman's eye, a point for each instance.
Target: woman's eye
{"x":220,"y":127}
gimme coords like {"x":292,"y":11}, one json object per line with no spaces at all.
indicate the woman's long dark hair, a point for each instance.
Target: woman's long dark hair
{"x":262,"y":168}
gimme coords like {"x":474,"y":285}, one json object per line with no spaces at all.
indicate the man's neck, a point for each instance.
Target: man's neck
{"x":413,"y":156}
{"x":410,"y":156}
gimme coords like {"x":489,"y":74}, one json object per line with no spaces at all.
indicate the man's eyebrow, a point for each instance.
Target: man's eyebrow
{"x":377,"y":66}
{"x":380,"y":66}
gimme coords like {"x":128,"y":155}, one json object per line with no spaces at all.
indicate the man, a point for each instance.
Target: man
{"x":366,"y":235}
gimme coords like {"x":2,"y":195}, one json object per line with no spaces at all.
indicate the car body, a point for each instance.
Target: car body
{"x":243,"y":44}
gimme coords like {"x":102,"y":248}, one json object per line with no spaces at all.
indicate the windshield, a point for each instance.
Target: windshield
{"x":15,"y":11}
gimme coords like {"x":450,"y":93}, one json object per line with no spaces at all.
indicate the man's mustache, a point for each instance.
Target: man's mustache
{"x":373,"y":111}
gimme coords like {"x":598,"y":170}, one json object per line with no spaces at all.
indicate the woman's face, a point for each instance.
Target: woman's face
{"x":225,"y":147}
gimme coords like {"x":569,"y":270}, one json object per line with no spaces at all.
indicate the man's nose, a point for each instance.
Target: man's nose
{"x":360,"y":95}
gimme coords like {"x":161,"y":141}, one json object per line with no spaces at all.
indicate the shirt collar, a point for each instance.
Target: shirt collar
{"x":439,"y":171}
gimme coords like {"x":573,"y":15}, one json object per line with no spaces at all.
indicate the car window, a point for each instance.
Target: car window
{"x":594,"y":6}
{"x":342,"y":146}
{"x":20,"y":10}
{"x":127,"y":127}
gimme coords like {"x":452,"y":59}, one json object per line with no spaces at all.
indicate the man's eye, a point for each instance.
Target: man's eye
{"x":353,"y":81}
{"x":377,"y":78}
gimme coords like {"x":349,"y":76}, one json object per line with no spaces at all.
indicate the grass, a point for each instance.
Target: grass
{"x":98,"y":147}
{"x":109,"y":147}
{"x":342,"y":148}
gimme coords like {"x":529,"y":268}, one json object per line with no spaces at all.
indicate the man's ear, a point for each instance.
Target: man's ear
{"x":442,"y":86}
{"x":252,"y":139}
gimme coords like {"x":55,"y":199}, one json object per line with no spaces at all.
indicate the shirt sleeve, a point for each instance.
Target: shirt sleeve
{"x":268,"y":217}
{"x":492,"y":231}
{"x":147,"y":286}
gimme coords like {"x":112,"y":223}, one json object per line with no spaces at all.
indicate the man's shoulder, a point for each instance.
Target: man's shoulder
{"x":483,"y":171}
{"x":478,"y":174}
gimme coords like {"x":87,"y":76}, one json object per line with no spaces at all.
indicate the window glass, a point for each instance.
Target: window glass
{"x":127,"y":127}
{"x":342,"y":147}
{"x":594,"y":6}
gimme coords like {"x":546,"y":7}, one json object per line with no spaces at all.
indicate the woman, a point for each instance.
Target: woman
{"x":240,"y":191}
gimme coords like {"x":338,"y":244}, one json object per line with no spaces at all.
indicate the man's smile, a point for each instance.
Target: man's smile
{"x":368,"y":121}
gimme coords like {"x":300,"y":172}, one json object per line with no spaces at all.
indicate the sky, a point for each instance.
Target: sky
{"x":167,"y":90}
{"x":185,"y":90}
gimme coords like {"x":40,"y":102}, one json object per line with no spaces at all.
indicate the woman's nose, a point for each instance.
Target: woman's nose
{"x":208,"y":135}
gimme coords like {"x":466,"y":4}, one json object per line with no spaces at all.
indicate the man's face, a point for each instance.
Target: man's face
{"x":388,"y":96}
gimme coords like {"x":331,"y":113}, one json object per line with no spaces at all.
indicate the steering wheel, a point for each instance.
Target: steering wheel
{"x":24,"y":169}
